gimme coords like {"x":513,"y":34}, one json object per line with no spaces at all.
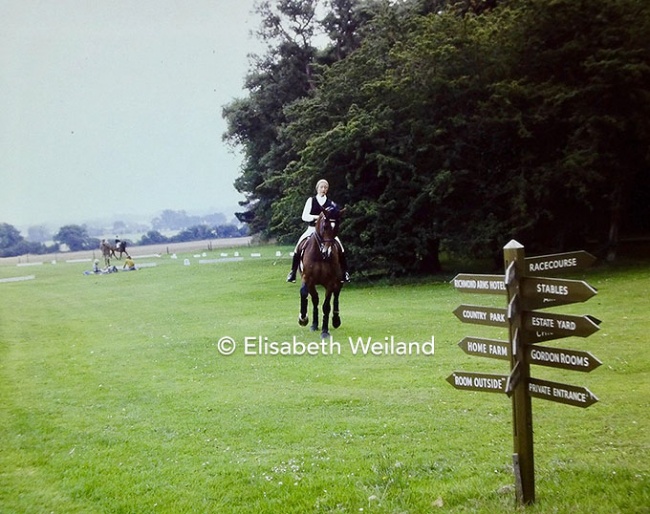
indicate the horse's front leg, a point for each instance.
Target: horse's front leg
{"x":314,"y":300}
{"x":336,"y":319}
{"x":304,"y":299}
{"x":326,"y":315}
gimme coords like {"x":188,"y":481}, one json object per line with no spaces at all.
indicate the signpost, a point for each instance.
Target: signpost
{"x":544,"y":326}
{"x":493,"y":316}
{"x":563,"y":393}
{"x":478,"y":381}
{"x":490,"y":284}
{"x":525,"y":292}
{"x":558,"y":262}
{"x":558,"y":358}
{"x":492,"y":348}
{"x":540,"y":292}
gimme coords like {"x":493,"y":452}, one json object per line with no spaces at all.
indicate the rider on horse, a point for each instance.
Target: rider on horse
{"x":313,"y":207}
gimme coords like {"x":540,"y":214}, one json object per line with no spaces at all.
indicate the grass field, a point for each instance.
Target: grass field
{"x":115,"y":398}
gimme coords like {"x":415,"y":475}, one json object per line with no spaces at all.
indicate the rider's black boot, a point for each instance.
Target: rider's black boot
{"x":291,"y":277}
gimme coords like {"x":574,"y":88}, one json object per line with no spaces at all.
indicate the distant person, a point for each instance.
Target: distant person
{"x":129,"y":265}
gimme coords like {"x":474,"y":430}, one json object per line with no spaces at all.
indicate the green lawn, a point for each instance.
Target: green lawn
{"x":115,"y":398}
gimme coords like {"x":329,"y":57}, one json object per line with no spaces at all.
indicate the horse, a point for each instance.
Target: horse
{"x":120,"y":247}
{"x":320,"y":265}
{"x":109,"y":250}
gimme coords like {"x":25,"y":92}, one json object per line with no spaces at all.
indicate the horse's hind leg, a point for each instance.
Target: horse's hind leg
{"x":304,"y":300}
{"x":336,"y":319}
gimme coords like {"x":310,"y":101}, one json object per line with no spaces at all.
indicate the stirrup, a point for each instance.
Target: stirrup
{"x":346,"y":277}
{"x":291,"y":277}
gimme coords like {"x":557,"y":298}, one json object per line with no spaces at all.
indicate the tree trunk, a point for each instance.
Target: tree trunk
{"x":615,"y":222}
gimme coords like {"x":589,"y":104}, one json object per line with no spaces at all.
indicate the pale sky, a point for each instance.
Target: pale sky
{"x":113,"y":108}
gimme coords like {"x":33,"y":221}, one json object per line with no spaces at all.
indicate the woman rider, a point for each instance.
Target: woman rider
{"x":313,"y":207}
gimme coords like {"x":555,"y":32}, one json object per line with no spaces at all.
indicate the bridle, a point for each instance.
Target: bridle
{"x":325,"y":241}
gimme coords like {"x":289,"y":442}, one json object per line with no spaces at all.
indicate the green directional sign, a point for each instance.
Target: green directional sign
{"x":539,"y":292}
{"x":561,"y":393}
{"x":493,"y":316}
{"x":478,"y":381}
{"x":492,"y":348}
{"x":490,"y":284}
{"x":545,"y":326}
{"x":559,"y":358}
{"x":558,"y":262}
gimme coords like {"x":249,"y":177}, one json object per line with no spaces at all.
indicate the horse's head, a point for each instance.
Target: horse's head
{"x":327,"y":228}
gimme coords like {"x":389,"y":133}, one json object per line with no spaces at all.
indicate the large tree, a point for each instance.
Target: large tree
{"x":76,"y":238}
{"x":12,"y":243}
{"x":9,"y":236}
{"x":461,"y":125}
{"x":588,"y":76}
{"x":284,"y":74}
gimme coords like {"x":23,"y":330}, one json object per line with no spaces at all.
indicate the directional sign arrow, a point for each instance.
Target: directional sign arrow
{"x":562,"y":393}
{"x":493,"y":316}
{"x":554,"y":263}
{"x":539,"y":292}
{"x":558,"y":358}
{"x":492,"y":348}
{"x":545,"y":326}
{"x":594,"y":319}
{"x":478,"y":381}
{"x":490,"y":284}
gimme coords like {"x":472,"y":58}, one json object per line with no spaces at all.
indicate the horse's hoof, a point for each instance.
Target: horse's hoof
{"x":336,"y":321}
{"x":303,"y":321}
{"x":314,"y":328}
{"x":324,"y":335}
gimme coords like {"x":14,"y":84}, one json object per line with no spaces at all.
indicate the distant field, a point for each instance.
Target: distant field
{"x":115,"y":397}
{"x":137,"y":250}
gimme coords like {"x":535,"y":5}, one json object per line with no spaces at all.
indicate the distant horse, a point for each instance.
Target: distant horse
{"x":120,"y":247}
{"x":109,"y":250}
{"x":320,"y":264}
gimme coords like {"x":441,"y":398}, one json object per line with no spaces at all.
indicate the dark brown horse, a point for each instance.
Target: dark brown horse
{"x":321,"y":265}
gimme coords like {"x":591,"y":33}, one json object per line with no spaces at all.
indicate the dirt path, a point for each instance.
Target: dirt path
{"x":134,"y":251}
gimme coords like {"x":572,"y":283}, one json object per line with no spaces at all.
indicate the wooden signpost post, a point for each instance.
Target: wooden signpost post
{"x":526,"y":291}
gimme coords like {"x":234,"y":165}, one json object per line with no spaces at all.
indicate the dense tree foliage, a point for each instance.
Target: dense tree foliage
{"x":195,"y":233}
{"x":13,"y":243}
{"x":453,"y":125}
{"x":76,"y":238}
